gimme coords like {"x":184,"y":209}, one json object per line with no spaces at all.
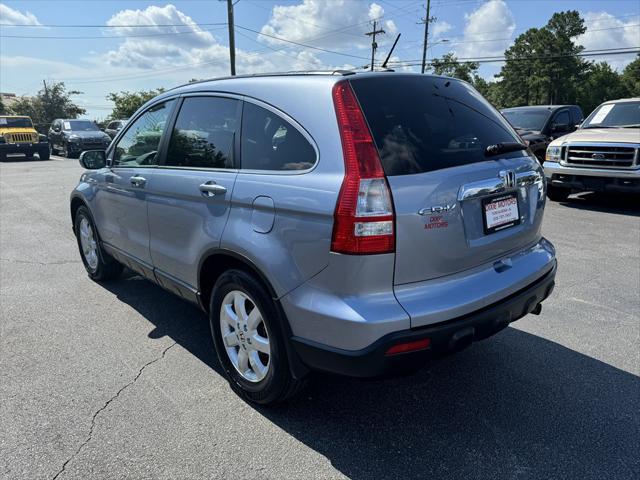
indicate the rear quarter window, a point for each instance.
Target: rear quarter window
{"x":271,"y":143}
{"x":422,"y":123}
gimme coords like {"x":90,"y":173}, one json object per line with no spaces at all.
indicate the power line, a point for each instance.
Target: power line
{"x":55,"y":37}
{"x":584,"y":53}
{"x":113,"y":26}
{"x":301,"y":44}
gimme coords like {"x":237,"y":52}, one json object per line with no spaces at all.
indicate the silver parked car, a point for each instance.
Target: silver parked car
{"x":352,"y":223}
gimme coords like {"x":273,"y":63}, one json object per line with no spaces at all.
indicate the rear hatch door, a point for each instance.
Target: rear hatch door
{"x":456,"y":207}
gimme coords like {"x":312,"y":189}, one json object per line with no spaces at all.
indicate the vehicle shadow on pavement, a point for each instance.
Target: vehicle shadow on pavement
{"x":513,"y":406}
{"x":625,"y":204}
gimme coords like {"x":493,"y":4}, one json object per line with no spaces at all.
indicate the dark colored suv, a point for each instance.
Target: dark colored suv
{"x":540,"y":124}
{"x":71,"y":137}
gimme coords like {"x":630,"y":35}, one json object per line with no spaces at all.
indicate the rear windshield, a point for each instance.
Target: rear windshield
{"x":15,"y":122}
{"x":422,"y":123}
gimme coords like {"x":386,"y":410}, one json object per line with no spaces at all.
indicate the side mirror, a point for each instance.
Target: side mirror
{"x":93,"y":159}
{"x":56,"y":129}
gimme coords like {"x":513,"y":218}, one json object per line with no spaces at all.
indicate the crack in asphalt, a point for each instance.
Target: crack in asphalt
{"x":107,"y":403}
{"x":33,"y":262}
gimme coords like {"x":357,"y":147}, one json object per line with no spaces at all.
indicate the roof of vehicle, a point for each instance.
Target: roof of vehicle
{"x":537,"y":107}
{"x":331,"y":76}
{"x":16,"y":116}
{"x":622,"y":100}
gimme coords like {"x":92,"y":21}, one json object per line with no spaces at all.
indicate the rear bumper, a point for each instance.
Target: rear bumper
{"x":445,"y":337}
{"x":592,"y":179}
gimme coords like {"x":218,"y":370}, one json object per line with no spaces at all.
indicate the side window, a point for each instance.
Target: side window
{"x":112,"y":126}
{"x":139,"y":145}
{"x":269,"y":142}
{"x":577,"y":116}
{"x":203,"y":134}
{"x":562,"y":118}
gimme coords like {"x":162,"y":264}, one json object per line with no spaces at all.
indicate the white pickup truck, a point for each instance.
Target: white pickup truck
{"x":602,"y":155}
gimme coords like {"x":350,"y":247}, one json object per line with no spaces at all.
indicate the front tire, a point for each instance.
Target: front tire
{"x":99,"y":265}
{"x":558,"y":194}
{"x":44,"y":154}
{"x":246,"y":325}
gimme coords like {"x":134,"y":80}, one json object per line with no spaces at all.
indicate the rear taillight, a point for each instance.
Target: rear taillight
{"x":363,"y":219}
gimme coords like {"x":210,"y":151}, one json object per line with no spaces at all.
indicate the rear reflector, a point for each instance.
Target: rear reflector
{"x":416,"y":345}
{"x":364,"y":218}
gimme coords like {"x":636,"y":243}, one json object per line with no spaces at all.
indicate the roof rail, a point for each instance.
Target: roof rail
{"x":271,"y":74}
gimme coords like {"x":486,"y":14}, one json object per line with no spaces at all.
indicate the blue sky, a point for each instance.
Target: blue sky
{"x":122,"y":46}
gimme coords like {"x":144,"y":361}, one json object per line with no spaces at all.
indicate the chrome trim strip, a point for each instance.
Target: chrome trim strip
{"x":490,"y":186}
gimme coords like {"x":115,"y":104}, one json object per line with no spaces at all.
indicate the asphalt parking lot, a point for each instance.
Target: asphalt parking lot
{"x":120,"y":380}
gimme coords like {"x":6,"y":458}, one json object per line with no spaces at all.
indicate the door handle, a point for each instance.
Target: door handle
{"x":138,"y":181}
{"x":210,"y":189}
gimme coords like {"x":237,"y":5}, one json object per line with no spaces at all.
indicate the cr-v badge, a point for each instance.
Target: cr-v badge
{"x":437,"y":209}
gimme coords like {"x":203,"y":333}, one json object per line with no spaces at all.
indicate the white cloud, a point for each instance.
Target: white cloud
{"x":606,"y":31}
{"x":326,"y":23}
{"x":439,"y":28}
{"x":487,"y":32}
{"x":200,"y":48}
{"x":9,"y":16}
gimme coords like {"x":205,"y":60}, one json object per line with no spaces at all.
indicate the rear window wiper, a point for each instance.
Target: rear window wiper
{"x":505,"y":147}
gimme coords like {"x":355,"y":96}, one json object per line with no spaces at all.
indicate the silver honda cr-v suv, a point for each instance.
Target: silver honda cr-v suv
{"x":352,"y":223}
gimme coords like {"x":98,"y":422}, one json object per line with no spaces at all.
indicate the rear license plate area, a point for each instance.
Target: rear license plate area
{"x":500,"y":212}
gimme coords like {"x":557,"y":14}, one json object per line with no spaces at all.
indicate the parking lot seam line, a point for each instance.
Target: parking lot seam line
{"x":107,"y":403}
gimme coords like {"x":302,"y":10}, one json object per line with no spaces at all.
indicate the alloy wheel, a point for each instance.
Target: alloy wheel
{"x":88,"y":243}
{"x":245,"y":336}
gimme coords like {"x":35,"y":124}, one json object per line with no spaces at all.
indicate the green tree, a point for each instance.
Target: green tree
{"x":631,"y":78}
{"x":492,"y":91}
{"x":3,"y":110}
{"x":542,"y":66}
{"x":126,"y":103}
{"x":51,"y":102}
{"x":600,"y":84}
{"x":449,"y":66}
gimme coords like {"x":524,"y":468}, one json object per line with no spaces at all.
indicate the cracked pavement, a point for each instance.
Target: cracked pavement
{"x":120,"y":381}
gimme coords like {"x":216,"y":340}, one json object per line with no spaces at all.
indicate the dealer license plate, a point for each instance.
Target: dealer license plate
{"x":500,"y":212}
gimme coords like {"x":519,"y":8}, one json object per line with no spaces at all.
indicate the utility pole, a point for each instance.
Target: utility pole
{"x":232,"y":39}
{"x":427,"y":20}
{"x":374,"y":45}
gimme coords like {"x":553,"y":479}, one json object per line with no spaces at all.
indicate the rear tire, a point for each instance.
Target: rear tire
{"x":558,"y":194}
{"x":3,"y":156}
{"x":99,"y":265}
{"x":265,"y":378}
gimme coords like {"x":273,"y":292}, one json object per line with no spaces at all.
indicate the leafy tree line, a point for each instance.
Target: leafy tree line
{"x":542,"y":67}
{"x":51,"y":102}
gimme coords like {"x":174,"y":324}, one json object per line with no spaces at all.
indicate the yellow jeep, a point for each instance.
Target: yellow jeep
{"x":17,"y":135}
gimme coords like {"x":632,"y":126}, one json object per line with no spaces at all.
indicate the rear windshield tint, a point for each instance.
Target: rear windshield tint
{"x":422,"y":123}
